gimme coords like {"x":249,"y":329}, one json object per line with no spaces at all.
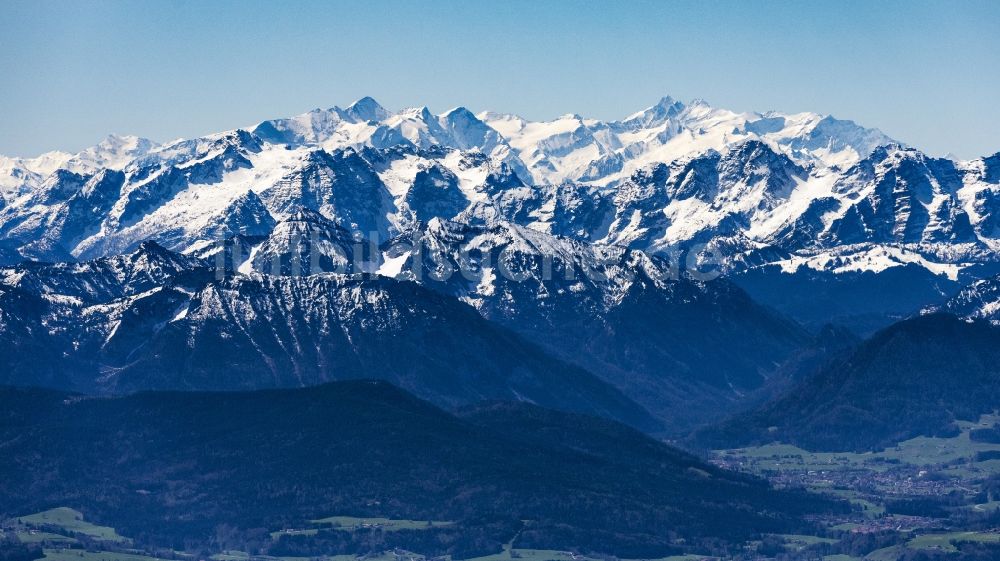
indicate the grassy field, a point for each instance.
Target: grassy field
{"x":80,"y":555}
{"x":944,"y":541}
{"x":39,"y":537}
{"x":386,"y":556}
{"x":530,"y":555}
{"x":986,"y":507}
{"x":940,"y":542}
{"x":785,"y":457}
{"x":885,"y":554}
{"x":920,"y":451}
{"x":929,"y":451}
{"x":306,"y":532}
{"x":508,"y":554}
{"x":870,"y":509}
{"x":388,"y":524}
{"x":553,"y":555}
{"x":57,"y":554}
{"x":797,"y":542}
{"x":71,"y":521}
{"x":243,"y":556}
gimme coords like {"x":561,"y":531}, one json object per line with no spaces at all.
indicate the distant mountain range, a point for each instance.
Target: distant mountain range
{"x":573,"y":263}
{"x":760,"y":196}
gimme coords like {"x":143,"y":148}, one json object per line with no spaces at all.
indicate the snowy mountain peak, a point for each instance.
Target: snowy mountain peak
{"x":667,"y":101}
{"x":127,"y":142}
{"x":459,"y":112}
{"x":367,"y":109}
{"x":664,"y":109}
{"x":116,"y":151}
{"x":151,"y":252}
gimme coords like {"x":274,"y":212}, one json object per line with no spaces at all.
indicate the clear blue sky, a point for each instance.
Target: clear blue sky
{"x":71,"y":72}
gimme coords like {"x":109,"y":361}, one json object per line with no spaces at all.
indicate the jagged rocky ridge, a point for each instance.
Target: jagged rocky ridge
{"x":685,"y":349}
{"x":979,"y":300}
{"x":157,"y":320}
{"x":793,"y":191}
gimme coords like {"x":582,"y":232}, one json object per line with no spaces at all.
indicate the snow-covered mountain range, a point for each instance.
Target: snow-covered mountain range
{"x":801,"y":190}
{"x":590,"y":246}
{"x":748,"y":194}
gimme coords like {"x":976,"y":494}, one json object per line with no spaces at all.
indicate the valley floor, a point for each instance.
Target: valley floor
{"x":931,"y":496}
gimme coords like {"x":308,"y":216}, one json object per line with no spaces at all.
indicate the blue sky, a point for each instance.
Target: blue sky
{"x":925,"y":73}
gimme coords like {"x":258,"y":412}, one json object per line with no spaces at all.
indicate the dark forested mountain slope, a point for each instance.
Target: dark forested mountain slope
{"x":863,"y":301}
{"x":174,"y":466}
{"x":913,"y":378}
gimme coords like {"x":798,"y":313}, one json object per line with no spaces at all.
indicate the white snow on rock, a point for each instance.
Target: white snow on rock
{"x":667,"y":178}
